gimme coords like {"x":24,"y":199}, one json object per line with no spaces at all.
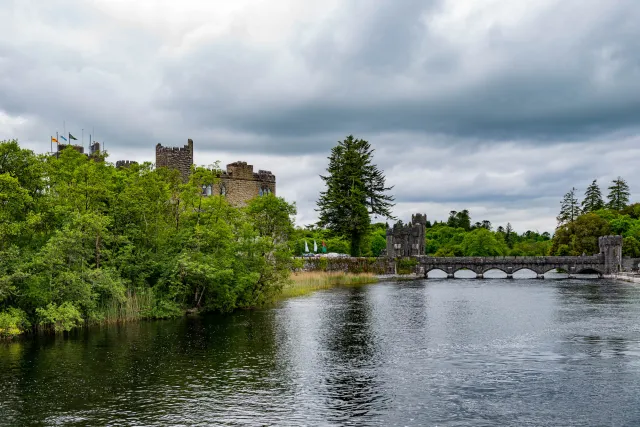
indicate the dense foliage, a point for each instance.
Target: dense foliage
{"x":371,"y":244}
{"x":355,"y":190}
{"x":82,"y":241}
{"x":578,"y":234}
{"x":457,"y":237}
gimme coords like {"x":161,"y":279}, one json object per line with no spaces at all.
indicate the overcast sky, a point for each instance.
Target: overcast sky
{"x":496,"y":106}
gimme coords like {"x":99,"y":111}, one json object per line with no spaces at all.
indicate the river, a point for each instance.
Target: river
{"x":422,"y":353}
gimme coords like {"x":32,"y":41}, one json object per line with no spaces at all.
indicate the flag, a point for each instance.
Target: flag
{"x":306,"y":247}
{"x":54,"y":140}
{"x":62,"y":137}
{"x":72,"y":137}
{"x":315,"y":246}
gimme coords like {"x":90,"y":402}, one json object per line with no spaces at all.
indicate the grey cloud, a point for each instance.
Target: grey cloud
{"x":554,"y":79}
{"x":553,"y":99}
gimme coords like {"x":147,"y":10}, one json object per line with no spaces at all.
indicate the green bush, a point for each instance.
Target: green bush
{"x":60,"y":318}
{"x":13,"y":322}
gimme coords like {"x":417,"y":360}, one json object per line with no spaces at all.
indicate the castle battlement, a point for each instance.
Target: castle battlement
{"x":125,"y":163}
{"x":239,"y":183}
{"x":405,"y":240}
{"x":180,"y":158}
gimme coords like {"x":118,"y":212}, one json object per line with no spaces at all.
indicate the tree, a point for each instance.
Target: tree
{"x":592,"y":198}
{"x":508,"y":235}
{"x":618,"y":194}
{"x":569,"y":209}
{"x":482,"y":242}
{"x":355,"y":189}
{"x":580,"y":236}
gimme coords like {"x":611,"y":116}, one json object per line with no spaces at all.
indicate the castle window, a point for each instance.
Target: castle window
{"x":264,"y":190}
{"x":223,"y":190}
{"x":206,"y":190}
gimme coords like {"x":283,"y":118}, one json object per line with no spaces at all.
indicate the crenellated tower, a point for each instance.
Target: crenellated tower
{"x":611,"y":251}
{"x":180,"y":158}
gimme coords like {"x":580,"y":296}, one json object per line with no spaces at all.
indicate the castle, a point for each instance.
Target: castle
{"x":405,"y":240}
{"x":238,"y":183}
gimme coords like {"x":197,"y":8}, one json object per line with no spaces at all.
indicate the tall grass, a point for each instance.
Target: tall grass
{"x":304,"y":283}
{"x":137,"y":305}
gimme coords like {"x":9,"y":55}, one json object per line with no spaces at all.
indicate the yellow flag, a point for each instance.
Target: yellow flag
{"x":54,"y":140}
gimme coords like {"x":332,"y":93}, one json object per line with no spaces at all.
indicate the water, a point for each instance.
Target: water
{"x":436,"y":352}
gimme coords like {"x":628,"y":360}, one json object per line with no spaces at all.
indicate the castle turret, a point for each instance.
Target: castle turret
{"x":180,"y":158}
{"x":407,"y":240}
{"x":611,"y":250}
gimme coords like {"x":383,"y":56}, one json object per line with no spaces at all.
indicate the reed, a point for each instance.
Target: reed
{"x":137,"y":305}
{"x":304,"y":283}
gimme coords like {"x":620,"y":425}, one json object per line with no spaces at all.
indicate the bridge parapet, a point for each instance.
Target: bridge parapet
{"x":538,"y":264}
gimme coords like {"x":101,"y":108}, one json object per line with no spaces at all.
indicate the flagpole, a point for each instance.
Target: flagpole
{"x":57,"y":143}
{"x":82,"y":138}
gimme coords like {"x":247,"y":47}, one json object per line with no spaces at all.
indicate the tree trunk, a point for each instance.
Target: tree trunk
{"x":356,"y":240}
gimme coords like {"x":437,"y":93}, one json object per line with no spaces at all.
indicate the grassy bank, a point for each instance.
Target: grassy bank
{"x":143,"y":305}
{"x":304,"y":283}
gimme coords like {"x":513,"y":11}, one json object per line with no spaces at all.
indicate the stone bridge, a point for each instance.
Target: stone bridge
{"x":408,"y":241}
{"x":540,"y":265}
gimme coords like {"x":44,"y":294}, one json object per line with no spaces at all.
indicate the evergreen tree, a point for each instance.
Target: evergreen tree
{"x":592,"y":198}
{"x":508,"y":235}
{"x":618,"y":194}
{"x":355,"y":189}
{"x":569,"y":209}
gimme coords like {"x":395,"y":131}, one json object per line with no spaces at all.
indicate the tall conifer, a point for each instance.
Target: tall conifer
{"x":618,"y":194}
{"x":570,"y":208}
{"x":592,"y":198}
{"x":355,"y":189}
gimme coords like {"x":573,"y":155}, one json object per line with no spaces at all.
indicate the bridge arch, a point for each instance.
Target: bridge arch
{"x":527,"y":272}
{"x":440,"y":273}
{"x":493,"y":268}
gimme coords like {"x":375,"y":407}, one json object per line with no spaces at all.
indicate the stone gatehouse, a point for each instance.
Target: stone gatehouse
{"x":406,"y":240}
{"x":238,"y":183}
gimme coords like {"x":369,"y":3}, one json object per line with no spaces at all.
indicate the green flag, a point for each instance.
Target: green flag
{"x":72,"y":137}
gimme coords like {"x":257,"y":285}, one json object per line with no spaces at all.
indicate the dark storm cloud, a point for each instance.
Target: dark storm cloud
{"x":569,"y":74}
{"x":501,"y":110}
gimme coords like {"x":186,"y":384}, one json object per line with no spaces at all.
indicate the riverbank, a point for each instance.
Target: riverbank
{"x":306,"y":282}
{"x":626,"y":277}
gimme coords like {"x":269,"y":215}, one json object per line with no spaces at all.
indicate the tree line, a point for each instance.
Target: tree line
{"x":83,"y":241}
{"x":581,"y":223}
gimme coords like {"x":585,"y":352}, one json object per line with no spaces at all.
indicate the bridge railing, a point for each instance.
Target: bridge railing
{"x":588,"y":259}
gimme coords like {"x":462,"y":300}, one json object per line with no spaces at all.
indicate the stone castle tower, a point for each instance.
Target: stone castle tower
{"x":238,"y":183}
{"x":404,"y":240}
{"x":611,"y":251}
{"x":180,"y":158}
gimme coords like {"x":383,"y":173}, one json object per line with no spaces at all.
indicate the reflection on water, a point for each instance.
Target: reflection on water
{"x":433,"y":352}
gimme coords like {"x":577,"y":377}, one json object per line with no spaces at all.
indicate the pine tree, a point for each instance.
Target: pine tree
{"x":355,"y":189}
{"x":592,"y":198}
{"x":569,"y":209}
{"x":508,"y":235}
{"x":618,"y":194}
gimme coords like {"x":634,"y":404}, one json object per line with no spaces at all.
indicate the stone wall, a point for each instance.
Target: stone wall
{"x":180,"y":158}
{"x":630,"y":264}
{"x":377,"y":266}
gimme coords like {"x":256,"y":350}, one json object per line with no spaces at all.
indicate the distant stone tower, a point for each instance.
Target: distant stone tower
{"x":611,"y":250}
{"x":180,"y":158}
{"x":125,"y":163}
{"x":407,"y":240}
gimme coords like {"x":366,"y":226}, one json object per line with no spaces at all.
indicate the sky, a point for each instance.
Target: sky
{"x":495,"y":106}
